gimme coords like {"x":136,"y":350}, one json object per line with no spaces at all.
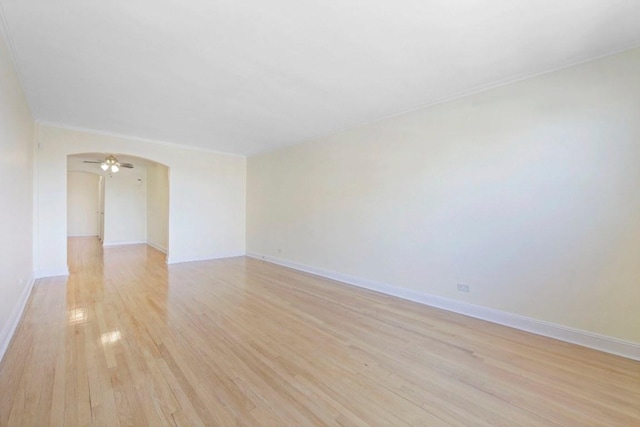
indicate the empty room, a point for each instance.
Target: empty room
{"x":330,"y":213}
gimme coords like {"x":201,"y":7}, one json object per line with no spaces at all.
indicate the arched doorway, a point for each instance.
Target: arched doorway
{"x":131,"y":200}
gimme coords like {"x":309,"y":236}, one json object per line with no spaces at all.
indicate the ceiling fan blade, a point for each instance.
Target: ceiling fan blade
{"x":126,"y":165}
{"x":90,"y":161}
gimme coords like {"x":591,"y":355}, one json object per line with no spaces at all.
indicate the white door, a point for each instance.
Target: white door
{"x":101,"y":208}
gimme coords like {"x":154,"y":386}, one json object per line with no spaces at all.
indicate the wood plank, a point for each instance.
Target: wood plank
{"x":127,"y":340}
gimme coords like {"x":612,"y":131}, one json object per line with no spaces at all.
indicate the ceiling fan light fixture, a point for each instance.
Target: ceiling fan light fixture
{"x":110,"y":164}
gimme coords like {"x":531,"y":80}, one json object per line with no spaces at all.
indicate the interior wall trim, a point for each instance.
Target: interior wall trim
{"x":123,"y":243}
{"x":133,"y":138}
{"x":52,"y":272}
{"x":158,"y":247}
{"x":10,"y":327}
{"x":178,"y":260}
{"x":571,"y":335}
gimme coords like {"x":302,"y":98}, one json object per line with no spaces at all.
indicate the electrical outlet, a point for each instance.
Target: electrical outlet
{"x":463,"y":288}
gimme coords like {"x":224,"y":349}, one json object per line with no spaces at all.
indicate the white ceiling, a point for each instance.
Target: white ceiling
{"x":247,"y":76}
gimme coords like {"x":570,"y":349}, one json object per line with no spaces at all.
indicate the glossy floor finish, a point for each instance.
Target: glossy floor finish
{"x":126,"y":340}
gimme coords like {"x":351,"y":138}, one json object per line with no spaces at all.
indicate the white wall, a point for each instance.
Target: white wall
{"x":82,"y":204}
{"x":207,"y":204}
{"x":158,"y":206}
{"x":125,"y":206}
{"x":528,"y":193}
{"x":16,"y":197}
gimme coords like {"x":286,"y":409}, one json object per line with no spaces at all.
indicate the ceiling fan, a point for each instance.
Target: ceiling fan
{"x":110,"y":163}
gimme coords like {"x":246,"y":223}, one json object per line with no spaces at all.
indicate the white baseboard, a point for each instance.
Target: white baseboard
{"x":592,"y":340}
{"x":158,"y":247}
{"x":135,"y":242}
{"x":52,"y":272}
{"x":124,"y":243}
{"x":12,"y":323}
{"x":179,"y":260}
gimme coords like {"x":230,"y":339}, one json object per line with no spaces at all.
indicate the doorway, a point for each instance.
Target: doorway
{"x":101,"y":208}
{"x":83,"y":204}
{"x":130,"y":204}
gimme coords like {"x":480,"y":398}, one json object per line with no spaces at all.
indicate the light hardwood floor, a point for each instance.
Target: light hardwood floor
{"x":126,"y":340}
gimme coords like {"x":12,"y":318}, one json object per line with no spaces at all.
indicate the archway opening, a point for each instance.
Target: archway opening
{"x":128,"y":204}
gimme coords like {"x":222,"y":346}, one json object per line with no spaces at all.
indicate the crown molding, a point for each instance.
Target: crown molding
{"x":135,"y":138}
{"x":460,"y":95}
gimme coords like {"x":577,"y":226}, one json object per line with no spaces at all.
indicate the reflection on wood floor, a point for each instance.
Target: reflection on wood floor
{"x":126,"y":340}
